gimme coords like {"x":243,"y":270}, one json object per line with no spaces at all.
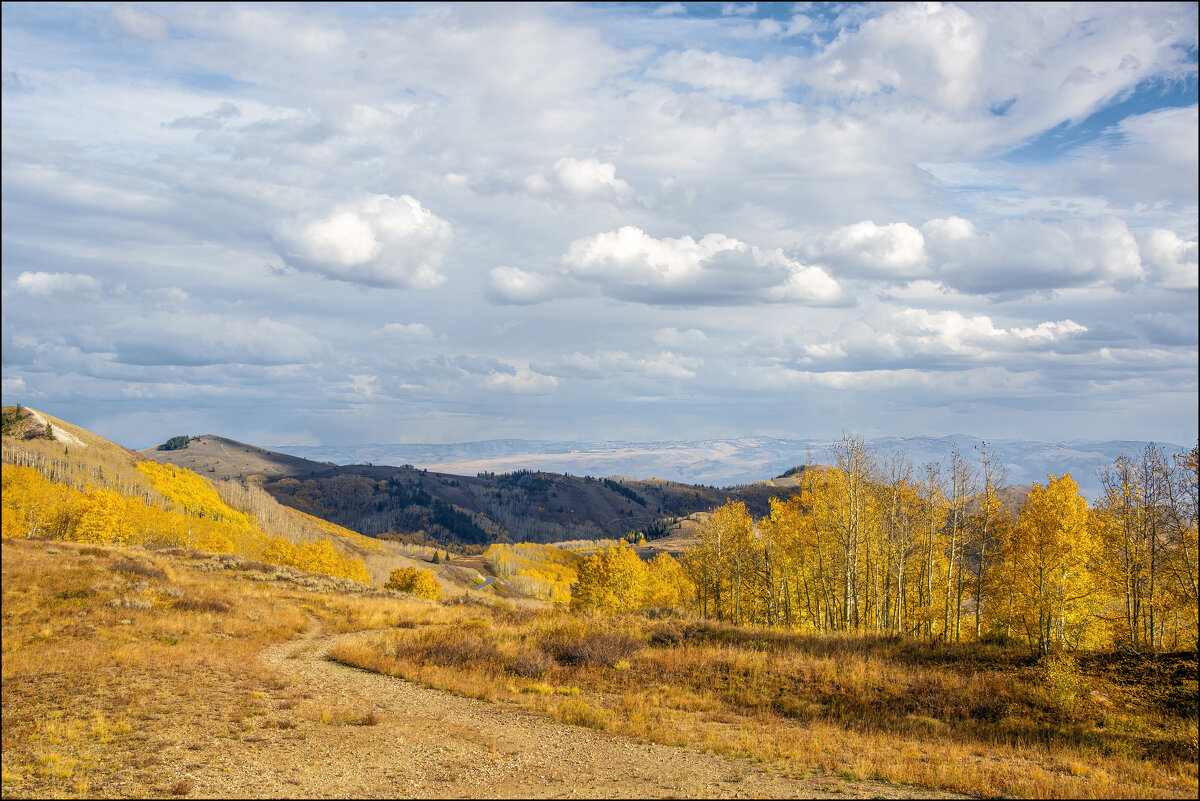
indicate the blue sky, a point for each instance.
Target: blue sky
{"x":322,"y":224}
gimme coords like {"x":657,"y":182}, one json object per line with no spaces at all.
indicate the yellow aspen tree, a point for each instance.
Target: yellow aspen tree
{"x":102,"y":517}
{"x":986,"y":526}
{"x":1051,"y":565}
{"x":723,"y":539}
{"x":666,"y":586}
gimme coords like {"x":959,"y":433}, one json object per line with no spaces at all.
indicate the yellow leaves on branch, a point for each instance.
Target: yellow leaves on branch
{"x":34,"y":506}
{"x":419,"y":582}
{"x":617,"y":580}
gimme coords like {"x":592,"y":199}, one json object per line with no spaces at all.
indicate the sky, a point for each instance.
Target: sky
{"x":323,"y":224}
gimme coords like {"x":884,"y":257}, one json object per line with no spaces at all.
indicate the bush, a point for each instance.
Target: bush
{"x":420,"y":583}
{"x":459,"y":648}
{"x":591,"y":647}
{"x":532,"y":663}
{"x":131,"y":567}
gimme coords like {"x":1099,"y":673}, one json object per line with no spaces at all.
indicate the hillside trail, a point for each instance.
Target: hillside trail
{"x":429,"y":743}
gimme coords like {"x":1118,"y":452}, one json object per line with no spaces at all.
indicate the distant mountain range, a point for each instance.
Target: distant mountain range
{"x":726,"y":462}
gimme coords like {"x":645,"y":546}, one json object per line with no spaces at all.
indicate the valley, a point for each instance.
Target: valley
{"x":208,"y":632}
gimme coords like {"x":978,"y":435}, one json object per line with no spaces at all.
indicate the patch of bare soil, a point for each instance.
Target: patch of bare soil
{"x":386,"y":737}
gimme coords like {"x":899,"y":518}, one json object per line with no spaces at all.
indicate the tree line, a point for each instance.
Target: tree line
{"x":878,"y":546}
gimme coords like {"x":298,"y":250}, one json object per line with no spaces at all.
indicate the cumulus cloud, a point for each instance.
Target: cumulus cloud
{"x":670,"y":9}
{"x":1172,"y":260}
{"x":1021,"y":255}
{"x":139,"y":22}
{"x":202,"y":339}
{"x":932,"y":340}
{"x":895,"y":250}
{"x":671,"y":337}
{"x":39,"y":284}
{"x":607,"y":364}
{"x":1016,"y":256}
{"x":728,"y":76}
{"x":522,"y":382}
{"x":581,"y":179}
{"x":929,"y":51}
{"x":629,"y":264}
{"x":379,"y":241}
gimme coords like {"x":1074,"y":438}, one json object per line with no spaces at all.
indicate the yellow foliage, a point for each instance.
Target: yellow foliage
{"x":613,"y":580}
{"x":35,"y":506}
{"x":421,"y":583}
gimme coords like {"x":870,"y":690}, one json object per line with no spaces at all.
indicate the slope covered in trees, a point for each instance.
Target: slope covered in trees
{"x":442,"y":509}
{"x":864,"y":547}
{"x":92,"y":490}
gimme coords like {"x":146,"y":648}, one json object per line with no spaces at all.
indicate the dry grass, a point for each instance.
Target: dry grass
{"x":975,"y":719}
{"x":114,"y":660}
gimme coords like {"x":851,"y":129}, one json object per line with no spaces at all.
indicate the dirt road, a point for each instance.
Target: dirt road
{"x":428,"y":743}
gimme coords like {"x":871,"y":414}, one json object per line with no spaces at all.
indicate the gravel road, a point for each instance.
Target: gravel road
{"x":429,"y":743}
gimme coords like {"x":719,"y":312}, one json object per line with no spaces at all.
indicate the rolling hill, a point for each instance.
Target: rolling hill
{"x":455,"y":509}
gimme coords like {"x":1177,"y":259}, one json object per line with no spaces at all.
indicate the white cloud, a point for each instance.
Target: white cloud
{"x":631,"y":265}
{"x":671,"y":337}
{"x":39,"y":284}
{"x":139,"y":22}
{"x":1172,"y":260}
{"x":895,"y":250}
{"x":380,"y":241}
{"x":728,"y":76}
{"x":930,"y":51}
{"x":668,"y":9}
{"x":176,"y":338}
{"x":604,"y":365}
{"x":739,"y":9}
{"x":520,"y":287}
{"x":909,"y":338}
{"x":522,"y":382}
{"x":1018,"y":256}
{"x":405,"y":332}
{"x":581,"y":179}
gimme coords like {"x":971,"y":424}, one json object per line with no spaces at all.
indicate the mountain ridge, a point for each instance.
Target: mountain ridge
{"x":729,"y":461}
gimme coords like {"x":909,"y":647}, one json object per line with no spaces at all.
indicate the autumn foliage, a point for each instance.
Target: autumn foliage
{"x":869,"y":548}
{"x":420,"y":583}
{"x":105,"y":497}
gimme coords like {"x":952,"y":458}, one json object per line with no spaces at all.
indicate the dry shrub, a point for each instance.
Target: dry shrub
{"x":466,"y":599}
{"x":183,"y":786}
{"x":577,"y":644}
{"x":132,"y":567}
{"x":450,"y":647}
{"x":202,"y":603}
{"x":532,"y":663}
{"x":577,"y":713}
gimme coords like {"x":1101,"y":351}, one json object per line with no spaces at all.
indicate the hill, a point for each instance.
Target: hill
{"x":446,"y":509}
{"x":733,"y":461}
{"x":65,"y":482}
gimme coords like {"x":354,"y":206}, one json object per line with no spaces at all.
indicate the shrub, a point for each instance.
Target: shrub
{"x":465,"y":647}
{"x":571,"y":646}
{"x":420,"y":583}
{"x":131,"y":567}
{"x":532,"y":663}
{"x":200,"y":603}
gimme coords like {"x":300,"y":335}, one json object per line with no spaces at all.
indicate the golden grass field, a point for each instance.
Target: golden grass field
{"x":122,"y":667}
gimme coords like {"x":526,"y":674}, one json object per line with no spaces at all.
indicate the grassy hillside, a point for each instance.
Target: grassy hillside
{"x":472,"y":511}
{"x":63,"y":482}
{"x":125,"y":669}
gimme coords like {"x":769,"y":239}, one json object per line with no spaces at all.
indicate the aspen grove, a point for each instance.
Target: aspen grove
{"x":885,"y":548}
